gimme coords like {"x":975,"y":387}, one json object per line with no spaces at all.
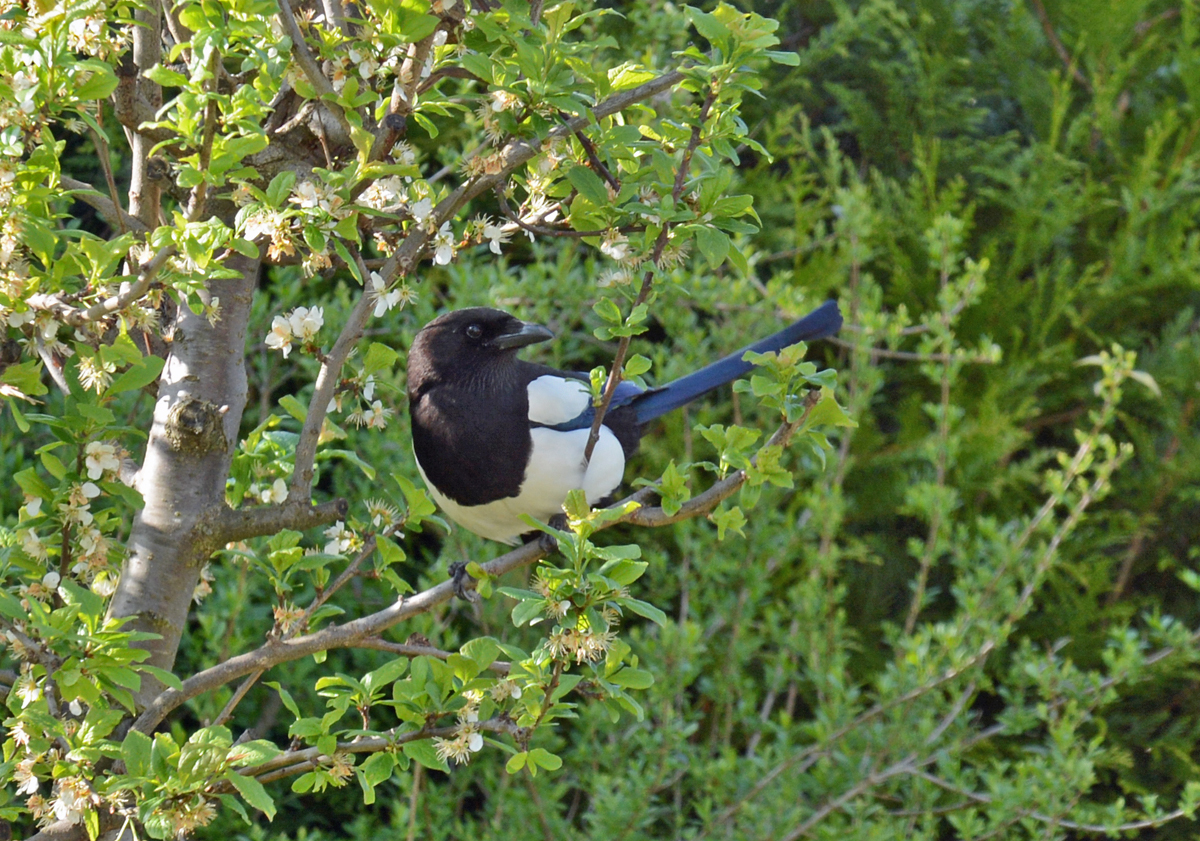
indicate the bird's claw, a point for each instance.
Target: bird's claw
{"x":459,"y":578}
{"x":549,"y":542}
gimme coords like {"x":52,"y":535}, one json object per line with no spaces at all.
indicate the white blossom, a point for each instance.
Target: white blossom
{"x":495,"y":235}
{"x":384,"y":300}
{"x":615,"y":246}
{"x":28,"y":690}
{"x":280,"y":337}
{"x":68,"y":806}
{"x":385,"y":194}
{"x":306,"y":195}
{"x":19,"y":319}
{"x":24,"y":776}
{"x":95,"y":372}
{"x":305,"y":322}
{"x":443,"y":245}
{"x":101,"y":457}
{"x":421,"y":210}
{"x":340,"y":539}
{"x":32,"y":544}
{"x":376,"y":417}
{"x":276,"y":493}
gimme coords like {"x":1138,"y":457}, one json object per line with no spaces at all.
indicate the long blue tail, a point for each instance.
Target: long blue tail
{"x":821,"y":322}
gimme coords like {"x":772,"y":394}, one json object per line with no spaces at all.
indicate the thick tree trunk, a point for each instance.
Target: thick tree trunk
{"x":201,"y":396}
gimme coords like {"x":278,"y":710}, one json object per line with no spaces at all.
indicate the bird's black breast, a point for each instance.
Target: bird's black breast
{"x":472,"y":443}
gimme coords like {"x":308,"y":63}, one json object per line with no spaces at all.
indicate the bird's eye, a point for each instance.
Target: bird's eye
{"x":474,"y":332}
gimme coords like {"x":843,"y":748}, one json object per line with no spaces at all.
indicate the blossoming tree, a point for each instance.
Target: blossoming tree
{"x":236,"y":135}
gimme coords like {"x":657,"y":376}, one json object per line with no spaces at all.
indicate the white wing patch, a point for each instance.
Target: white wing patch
{"x":554,"y":400}
{"x":555,"y":468}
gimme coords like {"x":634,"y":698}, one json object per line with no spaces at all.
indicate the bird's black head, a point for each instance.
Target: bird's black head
{"x":466,"y":343}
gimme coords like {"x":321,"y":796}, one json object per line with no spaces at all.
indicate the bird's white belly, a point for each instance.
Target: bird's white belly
{"x":555,"y":468}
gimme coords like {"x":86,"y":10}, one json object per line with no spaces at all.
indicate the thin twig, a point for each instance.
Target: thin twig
{"x":618,"y":364}
{"x":1057,"y":44}
{"x":404,"y":649}
{"x":589,"y":149}
{"x":308,"y":65}
{"x":362,"y":631}
{"x":884,"y":353}
{"x":108,"y":209}
{"x":106,"y":165}
{"x":404,"y":259}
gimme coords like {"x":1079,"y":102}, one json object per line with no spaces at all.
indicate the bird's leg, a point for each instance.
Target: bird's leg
{"x":548,"y":541}
{"x":459,"y":576}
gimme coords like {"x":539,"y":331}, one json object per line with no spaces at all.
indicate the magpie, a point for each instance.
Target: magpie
{"x":496,"y":437}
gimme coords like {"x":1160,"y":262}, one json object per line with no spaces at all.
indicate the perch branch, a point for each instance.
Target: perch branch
{"x":364,"y":631}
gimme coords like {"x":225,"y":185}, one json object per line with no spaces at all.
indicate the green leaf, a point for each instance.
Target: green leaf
{"x":708,"y":26}
{"x":98,"y":414}
{"x":135,"y":753}
{"x":389,"y":552}
{"x":608,"y":311}
{"x":143,"y":372}
{"x":26,"y":377}
{"x":728,"y":518}
{"x":378,"y":768}
{"x":253,"y":792}
{"x":379,"y":357}
{"x":249,"y":754}
{"x":32,"y":484}
{"x":412,"y":25}
{"x":286,"y":698}
{"x":53,"y":465}
{"x":644,"y":609}
{"x":636,"y":365}
{"x":631,"y":678}
{"x":624,"y":572}
{"x":162,"y":676}
{"x":786,"y":57}
{"x":99,"y":85}
{"x":280,"y":187}
{"x":526,"y":611}
{"x":713,"y":244}
{"x":542,"y":758}
{"x":483,"y":651}
{"x":424,"y":753}
{"x":293,"y":407}
{"x":165,"y":76}
{"x":829,"y":413}
{"x":589,"y":185}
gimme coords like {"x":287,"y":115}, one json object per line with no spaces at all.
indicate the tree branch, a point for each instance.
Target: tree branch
{"x":405,"y":258}
{"x":298,"y":761}
{"x":403,"y":649}
{"x":308,"y":64}
{"x":102,"y":204}
{"x":326,"y":384}
{"x":347,"y":635}
{"x":357,"y":632}
{"x":618,"y":364}
{"x":243,"y":523}
{"x":76,"y":317}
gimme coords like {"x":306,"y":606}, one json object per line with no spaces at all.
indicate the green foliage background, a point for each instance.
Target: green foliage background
{"x":912,"y":136}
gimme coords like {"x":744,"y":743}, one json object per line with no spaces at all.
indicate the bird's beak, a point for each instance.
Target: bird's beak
{"x":529,"y":334}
